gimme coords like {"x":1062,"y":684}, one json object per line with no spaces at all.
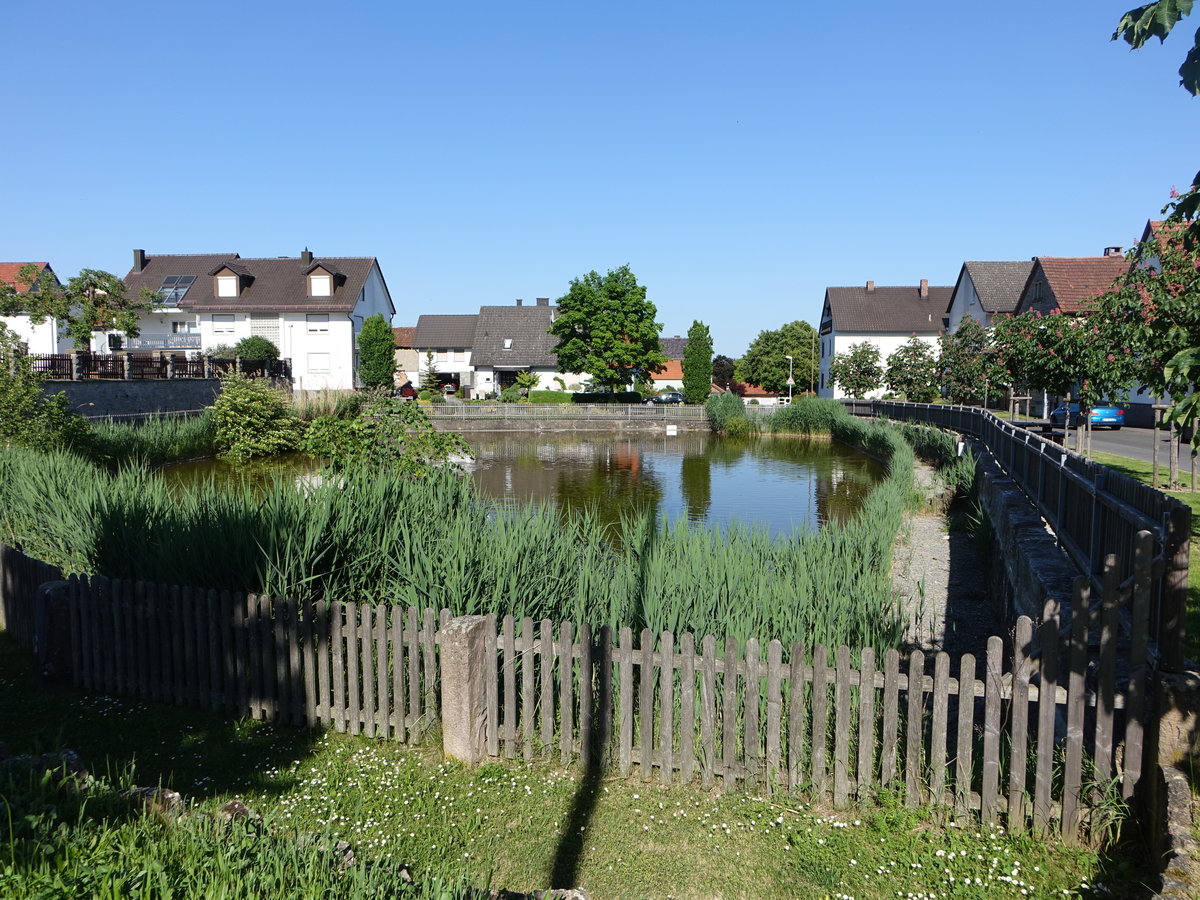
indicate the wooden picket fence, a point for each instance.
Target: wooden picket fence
{"x":1052,"y":719}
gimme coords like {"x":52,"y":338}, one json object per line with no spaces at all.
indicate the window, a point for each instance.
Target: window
{"x":318,"y":323}
{"x":508,"y":343}
{"x":222,"y":323}
{"x":227,"y":286}
{"x":320,"y":285}
{"x":184,"y":328}
{"x":318,"y":362}
{"x":174,"y":287}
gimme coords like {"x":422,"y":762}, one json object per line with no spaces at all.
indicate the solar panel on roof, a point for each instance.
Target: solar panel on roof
{"x":175,"y":286}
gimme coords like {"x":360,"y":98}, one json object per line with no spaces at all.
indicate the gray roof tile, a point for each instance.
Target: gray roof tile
{"x":998,"y":284}
{"x":527,"y":327}
{"x":887,"y":310}
{"x":448,"y":332}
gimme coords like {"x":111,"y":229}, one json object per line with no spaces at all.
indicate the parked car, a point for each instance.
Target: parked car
{"x":1102,"y":414}
{"x":666,"y":397}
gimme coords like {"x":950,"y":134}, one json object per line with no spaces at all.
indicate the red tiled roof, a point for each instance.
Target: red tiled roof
{"x":404,"y":337}
{"x":1075,"y":280}
{"x":672,"y":370}
{"x":10,"y":273}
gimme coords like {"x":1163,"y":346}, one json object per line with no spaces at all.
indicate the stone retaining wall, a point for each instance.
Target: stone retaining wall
{"x":133,"y":398}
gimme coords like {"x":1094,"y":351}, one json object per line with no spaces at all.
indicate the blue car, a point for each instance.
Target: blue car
{"x":1102,"y":414}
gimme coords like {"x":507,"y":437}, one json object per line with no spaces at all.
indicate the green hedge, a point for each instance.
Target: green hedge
{"x":603,"y":397}
{"x":549,"y":397}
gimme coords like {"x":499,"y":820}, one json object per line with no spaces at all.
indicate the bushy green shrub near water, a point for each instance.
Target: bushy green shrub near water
{"x":723,"y":408}
{"x":250,"y":418}
{"x":806,"y":415}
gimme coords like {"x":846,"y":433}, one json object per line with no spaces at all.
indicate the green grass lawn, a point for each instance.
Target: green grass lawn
{"x":1136,"y":468}
{"x":506,"y":825}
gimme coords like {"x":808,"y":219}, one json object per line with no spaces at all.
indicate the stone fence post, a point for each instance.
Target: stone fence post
{"x":128,"y":365}
{"x":76,"y":365}
{"x":170,"y":360}
{"x":464,"y":689}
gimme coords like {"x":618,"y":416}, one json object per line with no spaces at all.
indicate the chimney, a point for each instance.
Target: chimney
{"x":543,"y":301}
{"x":306,"y":257}
{"x":139,"y":260}
{"x":520,"y":301}
{"x":924,"y":288}
{"x":1112,"y":251}
{"x":870,"y":287}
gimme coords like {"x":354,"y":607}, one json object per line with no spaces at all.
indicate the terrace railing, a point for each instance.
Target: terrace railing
{"x":158,"y":366}
{"x":1094,"y":512}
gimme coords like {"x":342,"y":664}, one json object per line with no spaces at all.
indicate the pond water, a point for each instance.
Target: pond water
{"x":781,"y":483}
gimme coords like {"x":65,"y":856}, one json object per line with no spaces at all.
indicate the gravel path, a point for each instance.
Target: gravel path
{"x":942,"y":577}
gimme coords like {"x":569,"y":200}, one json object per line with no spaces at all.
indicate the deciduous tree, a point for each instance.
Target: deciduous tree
{"x":605,"y":327}
{"x":723,"y":370}
{"x":698,"y":364}
{"x":857,"y":371}
{"x":913,"y":372}
{"x":765,"y":361}
{"x":91,"y":301}
{"x":968,"y":364}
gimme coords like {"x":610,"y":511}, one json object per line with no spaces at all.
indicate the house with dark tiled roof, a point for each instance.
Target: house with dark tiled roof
{"x":43,"y":338}
{"x":312,"y":308}
{"x":985,"y":289}
{"x":449,"y":339}
{"x":884,"y":316}
{"x":514,"y":339}
{"x":408,"y":362}
{"x":670,"y":376}
{"x":1068,"y":284}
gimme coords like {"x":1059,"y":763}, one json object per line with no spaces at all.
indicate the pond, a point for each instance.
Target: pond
{"x":782,"y":483}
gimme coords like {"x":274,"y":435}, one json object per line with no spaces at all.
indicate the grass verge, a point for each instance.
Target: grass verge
{"x":517,"y":826}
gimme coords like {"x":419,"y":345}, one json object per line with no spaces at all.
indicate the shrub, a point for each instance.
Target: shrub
{"x":221,"y":351}
{"x":549,"y":397}
{"x":376,"y":353}
{"x":252,"y":419}
{"x":256,"y":348}
{"x":738,"y":427}
{"x":27,"y":417}
{"x":425,"y":395}
{"x":511,"y":394}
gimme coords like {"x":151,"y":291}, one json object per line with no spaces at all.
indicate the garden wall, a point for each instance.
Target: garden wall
{"x":98,"y":399}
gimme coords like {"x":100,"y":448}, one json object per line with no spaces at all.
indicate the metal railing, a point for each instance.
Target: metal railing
{"x":1094,"y":511}
{"x":151,"y":365}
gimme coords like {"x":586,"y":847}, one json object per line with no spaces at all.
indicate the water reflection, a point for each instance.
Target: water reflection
{"x":780,"y":483}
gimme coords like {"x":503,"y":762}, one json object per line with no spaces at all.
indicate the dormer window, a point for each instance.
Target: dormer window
{"x":227,"y":285}
{"x":320,"y":284}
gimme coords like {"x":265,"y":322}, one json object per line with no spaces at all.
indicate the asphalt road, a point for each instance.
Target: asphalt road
{"x":1135,"y":442}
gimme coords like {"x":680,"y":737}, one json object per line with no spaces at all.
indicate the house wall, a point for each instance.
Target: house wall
{"x":966,"y":303}
{"x":1037,"y":295}
{"x":408,"y":365}
{"x":486,"y":379}
{"x":39,"y":338}
{"x":833,"y":344}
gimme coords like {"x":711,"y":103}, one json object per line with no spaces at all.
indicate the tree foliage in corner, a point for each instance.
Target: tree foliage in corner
{"x":698,"y":364}
{"x":765,"y":361}
{"x":1155,"y":20}
{"x":723,"y":368}
{"x":912,"y":372}
{"x":376,"y":353}
{"x":857,"y":371}
{"x":91,"y":301}
{"x":605,"y":327}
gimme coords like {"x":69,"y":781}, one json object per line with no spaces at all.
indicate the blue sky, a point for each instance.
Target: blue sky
{"x":740,"y":157}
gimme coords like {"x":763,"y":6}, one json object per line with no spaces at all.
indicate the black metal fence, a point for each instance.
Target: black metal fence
{"x":141,"y":366}
{"x":1094,"y":511}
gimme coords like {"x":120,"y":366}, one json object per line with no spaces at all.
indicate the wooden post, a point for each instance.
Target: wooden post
{"x":1172,"y":615}
{"x":464,"y":698}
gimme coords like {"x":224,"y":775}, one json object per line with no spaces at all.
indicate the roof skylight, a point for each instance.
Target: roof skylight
{"x":175,"y":286}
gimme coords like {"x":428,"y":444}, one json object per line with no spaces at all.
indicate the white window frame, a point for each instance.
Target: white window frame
{"x":224,"y":323}
{"x":318,"y":323}
{"x":320,"y":285}
{"x":227,"y":285}
{"x":316,"y":365}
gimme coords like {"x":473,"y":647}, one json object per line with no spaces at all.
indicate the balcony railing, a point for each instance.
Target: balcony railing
{"x":164,"y":342}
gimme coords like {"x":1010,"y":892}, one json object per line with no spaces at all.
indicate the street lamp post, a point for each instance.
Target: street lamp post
{"x":791,"y":381}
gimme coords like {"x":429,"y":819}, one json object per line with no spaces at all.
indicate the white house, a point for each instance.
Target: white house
{"x":311,"y":308}
{"x":513,"y":339}
{"x":884,"y":316}
{"x":43,"y":338}
{"x":985,"y":289}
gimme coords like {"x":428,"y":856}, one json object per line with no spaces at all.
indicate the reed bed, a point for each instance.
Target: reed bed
{"x":435,"y":542}
{"x":157,"y":440}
